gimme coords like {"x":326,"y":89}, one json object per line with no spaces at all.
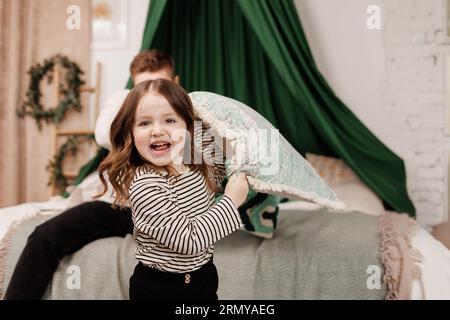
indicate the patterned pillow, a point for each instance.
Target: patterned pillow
{"x":282,"y":171}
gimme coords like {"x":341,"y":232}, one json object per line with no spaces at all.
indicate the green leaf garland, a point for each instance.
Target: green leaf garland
{"x":71,"y":91}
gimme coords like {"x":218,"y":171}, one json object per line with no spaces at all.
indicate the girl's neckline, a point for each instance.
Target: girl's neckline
{"x":181,"y":171}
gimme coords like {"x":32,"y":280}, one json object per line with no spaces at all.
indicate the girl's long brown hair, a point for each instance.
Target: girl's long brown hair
{"x":123,"y":159}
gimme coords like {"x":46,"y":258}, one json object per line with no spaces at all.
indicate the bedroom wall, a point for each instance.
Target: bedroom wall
{"x":393,"y":80}
{"x":116,"y":61}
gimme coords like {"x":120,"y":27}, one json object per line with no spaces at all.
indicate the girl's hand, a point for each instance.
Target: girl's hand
{"x":237,"y":188}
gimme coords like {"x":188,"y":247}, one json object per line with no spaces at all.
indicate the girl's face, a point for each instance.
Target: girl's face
{"x":159,"y":132}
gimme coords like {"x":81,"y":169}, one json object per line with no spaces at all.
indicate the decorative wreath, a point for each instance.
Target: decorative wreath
{"x":71,"y":91}
{"x":55,"y":166}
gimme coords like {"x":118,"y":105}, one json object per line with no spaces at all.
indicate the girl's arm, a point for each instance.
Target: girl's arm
{"x":156,"y":213}
{"x":213,"y":150}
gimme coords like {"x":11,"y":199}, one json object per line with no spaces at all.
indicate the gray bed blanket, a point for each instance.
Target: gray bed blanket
{"x":313,"y":255}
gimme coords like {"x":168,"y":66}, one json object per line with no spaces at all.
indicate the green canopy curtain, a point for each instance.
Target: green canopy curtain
{"x":215,"y":50}
{"x":378,"y":166}
{"x":255,"y":51}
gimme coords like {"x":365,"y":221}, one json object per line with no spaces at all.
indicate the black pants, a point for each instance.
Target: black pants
{"x":60,"y":236}
{"x":150,"y":284}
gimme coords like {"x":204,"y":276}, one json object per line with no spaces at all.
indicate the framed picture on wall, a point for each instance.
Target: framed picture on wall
{"x":109,"y":24}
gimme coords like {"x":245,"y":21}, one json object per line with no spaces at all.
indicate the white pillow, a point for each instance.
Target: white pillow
{"x":356,"y":195}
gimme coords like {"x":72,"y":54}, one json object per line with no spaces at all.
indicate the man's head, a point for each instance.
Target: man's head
{"x":151,"y":65}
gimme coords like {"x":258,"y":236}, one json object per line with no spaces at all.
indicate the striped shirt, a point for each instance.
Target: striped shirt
{"x":176,"y":222}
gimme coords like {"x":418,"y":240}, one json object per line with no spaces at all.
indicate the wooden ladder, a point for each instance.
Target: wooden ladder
{"x":59,"y":133}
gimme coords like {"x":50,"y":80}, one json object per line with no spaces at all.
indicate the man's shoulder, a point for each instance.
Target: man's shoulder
{"x":116,"y":99}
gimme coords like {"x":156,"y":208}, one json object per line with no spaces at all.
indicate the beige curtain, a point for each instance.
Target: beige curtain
{"x":30,"y":31}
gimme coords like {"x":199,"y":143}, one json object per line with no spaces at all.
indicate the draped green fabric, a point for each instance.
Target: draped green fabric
{"x":255,"y":51}
{"x":215,"y":50}
{"x":378,"y":166}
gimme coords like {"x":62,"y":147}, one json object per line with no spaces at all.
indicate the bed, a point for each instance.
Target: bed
{"x":315,"y":254}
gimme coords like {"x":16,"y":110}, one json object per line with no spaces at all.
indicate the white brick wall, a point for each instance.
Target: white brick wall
{"x":393,"y":80}
{"x":414,"y":94}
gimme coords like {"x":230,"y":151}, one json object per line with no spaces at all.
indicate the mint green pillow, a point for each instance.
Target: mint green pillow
{"x":272,"y":165}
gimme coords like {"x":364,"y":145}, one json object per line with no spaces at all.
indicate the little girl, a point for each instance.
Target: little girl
{"x":175,"y":221}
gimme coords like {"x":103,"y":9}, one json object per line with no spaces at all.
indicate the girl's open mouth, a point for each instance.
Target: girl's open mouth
{"x":160,"y":147}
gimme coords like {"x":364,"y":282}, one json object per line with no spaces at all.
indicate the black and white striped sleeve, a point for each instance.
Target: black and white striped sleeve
{"x":155,"y":213}
{"x":212,"y":146}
